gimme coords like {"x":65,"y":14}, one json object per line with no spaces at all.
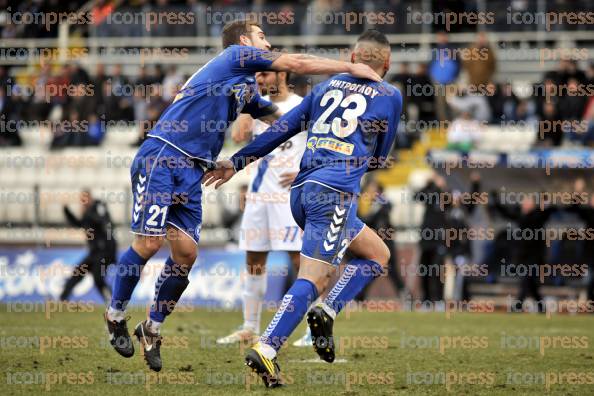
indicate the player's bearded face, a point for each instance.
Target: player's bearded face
{"x":267,"y":83}
{"x":258,"y":39}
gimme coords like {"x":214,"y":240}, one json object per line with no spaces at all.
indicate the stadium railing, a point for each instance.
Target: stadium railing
{"x":519,"y":54}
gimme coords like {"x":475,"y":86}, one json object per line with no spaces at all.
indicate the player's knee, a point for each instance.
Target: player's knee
{"x":147,"y":246}
{"x":320,"y":282}
{"x":185,"y":257}
{"x":256,"y":262}
{"x":383,"y":255}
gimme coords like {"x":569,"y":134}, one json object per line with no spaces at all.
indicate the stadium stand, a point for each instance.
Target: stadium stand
{"x":138,"y":61}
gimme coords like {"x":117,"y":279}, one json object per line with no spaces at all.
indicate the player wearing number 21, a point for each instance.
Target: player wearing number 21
{"x":171,"y":162}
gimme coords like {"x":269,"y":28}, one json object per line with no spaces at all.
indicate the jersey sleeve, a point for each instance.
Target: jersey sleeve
{"x":259,"y":107}
{"x":385,"y":139}
{"x":252,"y":59}
{"x":280,"y":131}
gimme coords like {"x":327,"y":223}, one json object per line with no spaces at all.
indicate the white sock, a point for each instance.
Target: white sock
{"x":254,"y":289}
{"x":329,"y":310}
{"x":153,"y":327}
{"x":266,"y":350}
{"x":115,"y":314}
{"x":316,"y":302}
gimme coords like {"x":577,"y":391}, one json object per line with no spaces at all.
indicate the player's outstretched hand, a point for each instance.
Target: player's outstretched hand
{"x":361,"y":70}
{"x":220,"y":175}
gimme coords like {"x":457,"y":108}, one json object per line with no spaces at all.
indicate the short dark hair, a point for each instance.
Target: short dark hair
{"x":374,"y":36}
{"x":233,"y":30}
{"x":287,"y":75}
{"x":372,"y":48}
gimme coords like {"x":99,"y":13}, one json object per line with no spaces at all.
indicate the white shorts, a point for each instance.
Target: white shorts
{"x":269,"y":227}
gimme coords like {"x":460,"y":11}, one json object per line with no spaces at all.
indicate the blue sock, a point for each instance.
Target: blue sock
{"x":357,"y":274}
{"x":127,"y":275}
{"x":170,"y":285}
{"x":290,"y":313}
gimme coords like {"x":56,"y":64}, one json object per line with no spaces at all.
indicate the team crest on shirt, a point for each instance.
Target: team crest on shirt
{"x":243,"y":93}
{"x":311,"y":143}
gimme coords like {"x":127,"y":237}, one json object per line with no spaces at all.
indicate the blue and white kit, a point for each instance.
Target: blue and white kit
{"x":351,"y":126}
{"x":267,"y":223}
{"x":188,"y":137}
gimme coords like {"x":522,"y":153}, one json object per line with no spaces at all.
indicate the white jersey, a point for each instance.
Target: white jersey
{"x":267,"y":222}
{"x":284,"y":159}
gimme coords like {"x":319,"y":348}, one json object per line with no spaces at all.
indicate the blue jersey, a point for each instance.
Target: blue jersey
{"x":351,"y":124}
{"x":196,"y":121}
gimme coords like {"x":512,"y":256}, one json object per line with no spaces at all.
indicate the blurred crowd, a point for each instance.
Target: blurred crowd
{"x":287,"y":18}
{"x":458,"y":93}
{"x":479,"y":236}
{"x":459,"y":88}
{"x":80,"y":108}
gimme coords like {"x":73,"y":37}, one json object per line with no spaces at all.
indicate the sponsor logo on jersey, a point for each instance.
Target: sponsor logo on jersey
{"x":330,"y":144}
{"x":311,"y":143}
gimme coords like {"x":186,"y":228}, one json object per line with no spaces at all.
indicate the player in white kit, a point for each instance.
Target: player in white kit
{"x":267,"y":224}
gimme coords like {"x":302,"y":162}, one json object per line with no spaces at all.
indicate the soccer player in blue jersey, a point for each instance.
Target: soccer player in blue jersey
{"x":351,"y":124}
{"x":169,"y":166}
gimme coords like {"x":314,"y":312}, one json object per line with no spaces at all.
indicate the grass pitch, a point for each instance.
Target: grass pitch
{"x":378,"y":353}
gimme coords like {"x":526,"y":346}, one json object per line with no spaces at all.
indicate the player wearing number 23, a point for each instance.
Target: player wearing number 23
{"x":351,"y":125}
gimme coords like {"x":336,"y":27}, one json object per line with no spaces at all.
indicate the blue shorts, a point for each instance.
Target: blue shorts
{"x":328,"y":219}
{"x":166,"y":190}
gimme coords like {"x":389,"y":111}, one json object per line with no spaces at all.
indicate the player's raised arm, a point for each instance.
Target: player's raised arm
{"x":253,"y":54}
{"x":309,"y":64}
{"x":262,"y":109}
{"x":279,"y":132}
{"x":270,"y":118}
